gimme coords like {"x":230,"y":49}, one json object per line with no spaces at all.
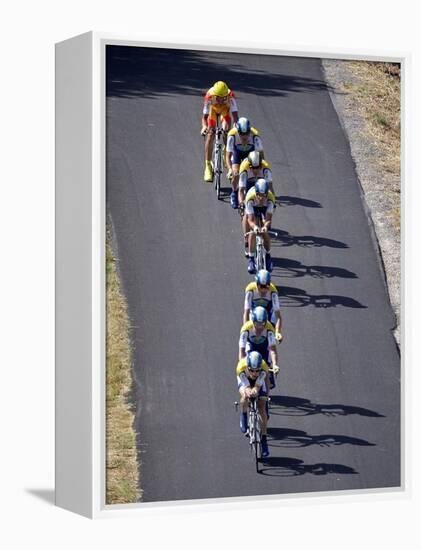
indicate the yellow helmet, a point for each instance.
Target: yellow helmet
{"x":220,"y":89}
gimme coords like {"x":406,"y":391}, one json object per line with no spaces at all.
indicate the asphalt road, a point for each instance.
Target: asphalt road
{"x":335,"y":422}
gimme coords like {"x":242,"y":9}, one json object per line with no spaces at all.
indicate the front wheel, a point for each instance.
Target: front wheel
{"x":218,"y":172}
{"x":260,"y":254}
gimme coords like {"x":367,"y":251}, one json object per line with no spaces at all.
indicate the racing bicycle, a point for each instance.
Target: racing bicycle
{"x":254,"y":432}
{"x":260,"y":252}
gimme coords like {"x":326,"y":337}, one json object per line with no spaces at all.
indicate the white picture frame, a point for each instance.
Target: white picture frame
{"x":80,"y":274}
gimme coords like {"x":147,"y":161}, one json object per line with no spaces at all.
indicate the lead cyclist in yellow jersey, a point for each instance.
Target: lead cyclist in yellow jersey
{"x":219,"y":101}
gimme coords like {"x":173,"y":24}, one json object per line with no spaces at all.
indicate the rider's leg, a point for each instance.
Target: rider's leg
{"x":234,"y":182}
{"x":209,"y":143}
{"x":210,"y":140}
{"x":226,"y":125}
{"x":261,"y":406}
{"x":245,"y":227}
{"x":235,"y":176}
{"x":251,"y":267}
{"x":252,"y":243}
{"x":267,"y":245}
{"x":243,"y":410}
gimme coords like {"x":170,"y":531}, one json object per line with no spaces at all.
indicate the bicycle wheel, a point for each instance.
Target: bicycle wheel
{"x":255,"y":434}
{"x":218,"y":173}
{"x":218,"y":170}
{"x":260,"y":254}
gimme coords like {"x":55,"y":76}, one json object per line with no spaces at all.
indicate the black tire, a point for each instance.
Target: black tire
{"x":217,"y":175}
{"x":255,"y":435}
{"x":260,"y":259}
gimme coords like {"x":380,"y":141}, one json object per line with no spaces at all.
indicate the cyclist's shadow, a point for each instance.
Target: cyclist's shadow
{"x":287,"y":405}
{"x":288,"y":438}
{"x":288,"y":467}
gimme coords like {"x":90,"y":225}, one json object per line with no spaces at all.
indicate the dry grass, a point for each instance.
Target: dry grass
{"x":122,"y":477}
{"x":376,"y":97}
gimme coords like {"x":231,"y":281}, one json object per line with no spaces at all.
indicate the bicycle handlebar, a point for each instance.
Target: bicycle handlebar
{"x":269,"y":232}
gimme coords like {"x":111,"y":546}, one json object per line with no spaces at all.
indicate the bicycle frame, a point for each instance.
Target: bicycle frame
{"x":218,"y":161}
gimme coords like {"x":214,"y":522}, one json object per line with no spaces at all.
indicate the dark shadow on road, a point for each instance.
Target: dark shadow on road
{"x":285,"y":200}
{"x":292,"y":268}
{"x":283,"y":238}
{"x":296,"y":297}
{"x":286,"y":467}
{"x":283,"y":437}
{"x":285,"y":405}
{"x":150,"y":72}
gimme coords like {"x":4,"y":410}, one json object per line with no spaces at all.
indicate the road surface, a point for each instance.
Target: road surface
{"x":335,"y":421}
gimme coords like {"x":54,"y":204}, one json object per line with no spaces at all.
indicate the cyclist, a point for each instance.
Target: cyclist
{"x":258,"y":334}
{"x":252,"y":380}
{"x":262,"y":292}
{"x":252,"y":168}
{"x":260,"y":202}
{"x":219,"y":101}
{"x":242,"y":139}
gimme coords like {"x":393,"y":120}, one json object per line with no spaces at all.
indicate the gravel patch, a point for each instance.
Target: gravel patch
{"x":377,"y":185}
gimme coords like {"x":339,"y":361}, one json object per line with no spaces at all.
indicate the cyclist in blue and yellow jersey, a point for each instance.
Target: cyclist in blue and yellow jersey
{"x":260,"y":201}
{"x":219,"y":101}
{"x":258,"y":334}
{"x":253,"y":381}
{"x":251,"y":169}
{"x":262,"y":292}
{"x":242,"y":139}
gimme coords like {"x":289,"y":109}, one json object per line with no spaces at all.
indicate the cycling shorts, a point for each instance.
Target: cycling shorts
{"x":238,"y":157}
{"x":223,"y":111}
{"x":263,"y":349}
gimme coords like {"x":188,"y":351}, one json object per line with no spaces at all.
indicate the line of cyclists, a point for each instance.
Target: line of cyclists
{"x":252,"y":193}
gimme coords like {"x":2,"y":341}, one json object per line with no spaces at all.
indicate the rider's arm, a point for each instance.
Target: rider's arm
{"x":204,"y":122}
{"x":229,"y":150}
{"x":277,"y":312}
{"x":243,"y":380}
{"x":252,"y":220}
{"x":242,"y":185}
{"x":273,"y":355}
{"x":234,"y":109}
{"x":268,"y":220}
{"x":249,"y":212}
{"x":272,"y":347}
{"x":247,"y":306}
{"x":242,"y":345}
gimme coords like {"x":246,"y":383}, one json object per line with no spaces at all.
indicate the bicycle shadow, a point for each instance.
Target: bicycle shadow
{"x":283,"y":238}
{"x":288,"y":467}
{"x":285,"y":200}
{"x":283,"y":437}
{"x":286,"y":405}
{"x":296,"y":297}
{"x":293,"y":268}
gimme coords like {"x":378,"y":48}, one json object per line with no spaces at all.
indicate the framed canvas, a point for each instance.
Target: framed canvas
{"x":161,"y":299}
